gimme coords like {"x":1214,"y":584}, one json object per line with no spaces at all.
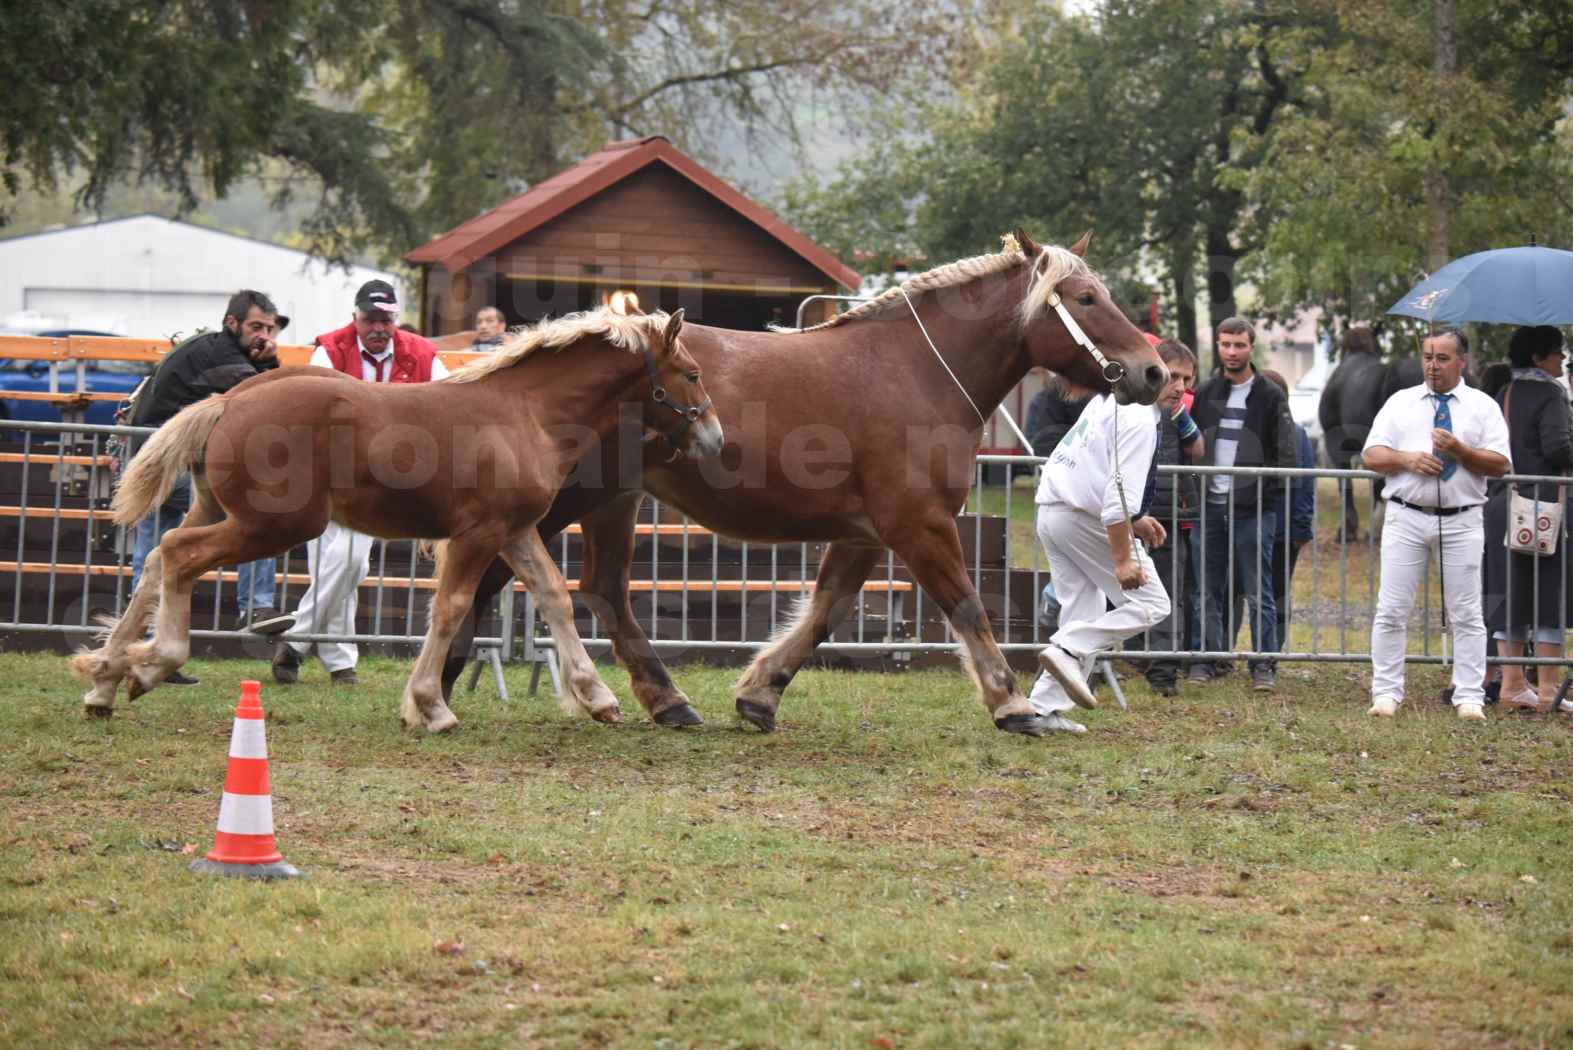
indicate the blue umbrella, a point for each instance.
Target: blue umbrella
{"x":1504,"y":286}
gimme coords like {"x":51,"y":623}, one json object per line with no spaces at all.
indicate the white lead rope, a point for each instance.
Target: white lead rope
{"x":1113,"y":372}
{"x":946,"y":367}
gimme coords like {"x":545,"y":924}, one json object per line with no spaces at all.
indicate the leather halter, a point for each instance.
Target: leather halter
{"x":1113,"y":371}
{"x":687,"y":414}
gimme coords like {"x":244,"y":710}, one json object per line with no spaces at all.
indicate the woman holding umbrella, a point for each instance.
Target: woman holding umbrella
{"x":1528,"y":596}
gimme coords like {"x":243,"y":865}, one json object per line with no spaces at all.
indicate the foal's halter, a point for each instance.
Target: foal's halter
{"x":687,"y":415}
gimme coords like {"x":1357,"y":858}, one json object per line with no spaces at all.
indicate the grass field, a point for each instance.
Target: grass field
{"x":1220,"y":870}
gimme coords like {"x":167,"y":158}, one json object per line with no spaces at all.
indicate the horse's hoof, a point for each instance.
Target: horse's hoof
{"x":612,"y":716}
{"x":97,"y":710}
{"x":757,"y":715}
{"x":443,"y":723}
{"x":677,"y":716}
{"x":1026,"y":725}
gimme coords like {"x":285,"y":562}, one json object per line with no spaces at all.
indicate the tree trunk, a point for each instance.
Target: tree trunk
{"x":1437,"y":189}
{"x":1182,"y":268}
{"x":1221,"y":259}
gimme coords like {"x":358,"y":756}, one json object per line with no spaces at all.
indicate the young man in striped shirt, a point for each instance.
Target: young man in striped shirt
{"x":1246,"y":423}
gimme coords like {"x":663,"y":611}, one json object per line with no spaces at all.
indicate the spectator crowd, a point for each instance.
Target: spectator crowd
{"x":1229,"y":538}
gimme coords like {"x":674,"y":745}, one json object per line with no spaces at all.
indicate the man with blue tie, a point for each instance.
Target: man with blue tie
{"x":1437,"y":443}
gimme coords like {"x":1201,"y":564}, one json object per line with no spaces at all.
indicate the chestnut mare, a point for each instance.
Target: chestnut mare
{"x":477,"y":458}
{"x":853,"y":432}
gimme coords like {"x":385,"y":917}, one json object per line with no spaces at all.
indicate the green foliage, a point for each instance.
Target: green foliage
{"x":398,"y":121}
{"x":1210,"y":141}
{"x":1342,"y":218}
{"x":1135,"y":121}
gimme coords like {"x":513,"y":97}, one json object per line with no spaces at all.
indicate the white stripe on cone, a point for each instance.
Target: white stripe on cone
{"x":249,"y":739}
{"x":246,"y":814}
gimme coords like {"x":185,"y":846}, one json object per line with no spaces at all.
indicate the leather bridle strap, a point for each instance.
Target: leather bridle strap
{"x":1113,"y":371}
{"x":687,"y":415}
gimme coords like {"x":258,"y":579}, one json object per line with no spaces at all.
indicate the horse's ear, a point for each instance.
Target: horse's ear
{"x":1079,"y":249}
{"x":1028,"y":246}
{"x":674,"y":324}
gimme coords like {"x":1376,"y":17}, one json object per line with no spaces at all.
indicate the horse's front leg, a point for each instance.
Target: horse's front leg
{"x":583,"y":689}
{"x":931,"y":547}
{"x":608,"y":552}
{"x":842,"y":573}
{"x":462,"y":565}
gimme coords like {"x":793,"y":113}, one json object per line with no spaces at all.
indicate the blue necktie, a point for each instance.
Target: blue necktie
{"x":1444,"y":421}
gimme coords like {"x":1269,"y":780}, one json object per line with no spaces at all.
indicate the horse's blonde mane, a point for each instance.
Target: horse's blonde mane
{"x":1052,"y":265}
{"x":624,"y":332}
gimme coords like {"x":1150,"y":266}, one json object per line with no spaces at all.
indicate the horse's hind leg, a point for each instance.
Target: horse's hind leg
{"x":842,"y":573}
{"x":459,"y":572}
{"x":583,"y":689}
{"x":107,"y":665}
{"x":608,"y":551}
{"x":931,"y":547}
{"x":186,"y":553}
{"x":493,"y":580}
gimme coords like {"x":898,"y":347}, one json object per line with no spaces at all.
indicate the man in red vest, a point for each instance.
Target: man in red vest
{"x":373,"y":348}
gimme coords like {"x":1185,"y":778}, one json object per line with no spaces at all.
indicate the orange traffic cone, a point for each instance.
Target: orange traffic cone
{"x":244,"y":844}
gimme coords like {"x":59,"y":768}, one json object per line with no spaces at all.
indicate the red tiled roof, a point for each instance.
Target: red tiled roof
{"x":492,"y":230}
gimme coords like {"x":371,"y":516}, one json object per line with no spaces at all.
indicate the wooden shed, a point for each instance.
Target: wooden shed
{"x":638,"y":216}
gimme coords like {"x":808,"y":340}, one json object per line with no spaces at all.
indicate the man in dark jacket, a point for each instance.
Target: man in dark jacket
{"x":1246,"y":422}
{"x":1297,"y":525}
{"x":1051,"y":415}
{"x":196,"y":369}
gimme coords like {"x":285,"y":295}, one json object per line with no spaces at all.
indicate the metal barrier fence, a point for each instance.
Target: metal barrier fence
{"x":697,"y":593}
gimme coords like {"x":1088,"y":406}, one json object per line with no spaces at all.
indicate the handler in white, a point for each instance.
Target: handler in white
{"x":1083,"y":527}
{"x":1437,"y":443}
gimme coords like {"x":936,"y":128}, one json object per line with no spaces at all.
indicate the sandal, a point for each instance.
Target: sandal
{"x":1528,"y":700}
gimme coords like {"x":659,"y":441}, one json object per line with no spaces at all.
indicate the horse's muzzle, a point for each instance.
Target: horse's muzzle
{"x":706,"y":438}
{"x":1141,"y":385}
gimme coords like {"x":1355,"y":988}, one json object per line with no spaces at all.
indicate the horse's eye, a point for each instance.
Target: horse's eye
{"x":692,"y":377}
{"x":1085,"y":298}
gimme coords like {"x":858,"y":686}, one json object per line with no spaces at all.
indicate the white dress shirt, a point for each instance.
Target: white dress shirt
{"x":1080,"y":473}
{"x":1405,"y":423}
{"x":368,"y":371}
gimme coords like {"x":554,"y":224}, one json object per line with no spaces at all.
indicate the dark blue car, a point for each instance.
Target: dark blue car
{"x":103,"y":377}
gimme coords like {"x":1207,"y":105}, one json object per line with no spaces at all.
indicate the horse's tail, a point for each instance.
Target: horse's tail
{"x":171,"y":452}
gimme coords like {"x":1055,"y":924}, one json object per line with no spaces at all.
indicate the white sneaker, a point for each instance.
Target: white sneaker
{"x":1383,"y":707}
{"x":1066,"y":670}
{"x":1058,"y":723}
{"x":1472,"y":712}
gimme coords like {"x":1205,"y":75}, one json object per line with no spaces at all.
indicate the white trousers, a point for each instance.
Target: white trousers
{"x":1082,"y":569}
{"x":1409,"y":539}
{"x":339,"y":560}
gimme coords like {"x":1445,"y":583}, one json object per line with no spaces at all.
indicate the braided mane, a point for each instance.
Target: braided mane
{"x":1052,"y":265}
